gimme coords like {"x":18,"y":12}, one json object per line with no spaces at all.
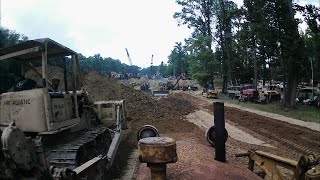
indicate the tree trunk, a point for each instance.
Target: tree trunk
{"x":255,"y":62}
{"x":290,"y":96}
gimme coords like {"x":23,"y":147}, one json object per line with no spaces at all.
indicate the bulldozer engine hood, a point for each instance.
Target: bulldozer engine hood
{"x":25,"y":108}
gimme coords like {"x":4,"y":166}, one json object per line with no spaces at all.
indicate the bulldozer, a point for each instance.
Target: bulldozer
{"x":47,"y":133}
{"x":158,"y":86}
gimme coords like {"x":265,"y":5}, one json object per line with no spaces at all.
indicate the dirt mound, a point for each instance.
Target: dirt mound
{"x":164,"y":113}
{"x":53,"y":72}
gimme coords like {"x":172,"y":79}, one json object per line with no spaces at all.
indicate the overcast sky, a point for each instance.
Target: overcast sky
{"x":107,"y":27}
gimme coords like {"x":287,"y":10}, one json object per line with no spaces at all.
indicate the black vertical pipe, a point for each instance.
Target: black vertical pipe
{"x":65,"y":78}
{"x":219,"y":124}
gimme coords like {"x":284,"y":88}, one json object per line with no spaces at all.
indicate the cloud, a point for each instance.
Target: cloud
{"x":101,"y":26}
{"x":107,"y":27}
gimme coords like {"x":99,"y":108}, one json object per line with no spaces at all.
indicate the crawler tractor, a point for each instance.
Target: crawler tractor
{"x":47,"y":133}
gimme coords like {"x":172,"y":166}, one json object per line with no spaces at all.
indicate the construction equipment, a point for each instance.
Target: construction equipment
{"x":270,"y":95}
{"x":307,"y":168}
{"x":209,"y":91}
{"x":180,"y":83}
{"x":47,"y":133}
{"x":129,"y":58}
{"x":210,"y":94}
{"x":151,"y":67}
{"x":158,"y":86}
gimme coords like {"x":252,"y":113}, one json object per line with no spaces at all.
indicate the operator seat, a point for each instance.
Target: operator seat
{"x":25,"y":84}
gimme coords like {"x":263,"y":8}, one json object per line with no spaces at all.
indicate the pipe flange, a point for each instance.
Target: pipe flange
{"x":210,"y":135}
{"x":147,"y":131}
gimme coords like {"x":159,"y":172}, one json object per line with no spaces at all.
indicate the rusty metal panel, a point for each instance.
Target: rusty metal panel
{"x":68,"y":106}
{"x":25,"y":108}
{"x":107,"y":113}
{"x":58,"y":110}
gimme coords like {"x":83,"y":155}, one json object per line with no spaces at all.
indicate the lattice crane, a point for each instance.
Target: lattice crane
{"x":129,"y":58}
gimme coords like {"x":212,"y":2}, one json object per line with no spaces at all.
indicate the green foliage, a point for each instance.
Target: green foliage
{"x":179,"y":59}
{"x":9,"y":37}
{"x":196,"y":14}
{"x":8,"y":69}
{"x":202,"y":58}
{"x":105,"y":66}
{"x":203,"y":78}
{"x":301,"y":112}
{"x":262,"y":32}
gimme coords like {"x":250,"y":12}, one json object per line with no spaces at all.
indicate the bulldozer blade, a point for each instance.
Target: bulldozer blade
{"x":160,"y":93}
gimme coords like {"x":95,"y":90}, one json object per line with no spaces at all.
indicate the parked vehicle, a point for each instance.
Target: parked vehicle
{"x":307,"y":95}
{"x":249,"y":95}
{"x":234,"y":92}
{"x":271,"y":95}
{"x":246,"y":86}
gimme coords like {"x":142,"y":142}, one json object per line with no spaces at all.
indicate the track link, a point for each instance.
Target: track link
{"x":76,"y":150}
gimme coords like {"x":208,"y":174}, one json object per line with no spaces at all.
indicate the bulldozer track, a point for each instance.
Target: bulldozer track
{"x":75,"y":151}
{"x":291,"y":144}
{"x":299,"y":128}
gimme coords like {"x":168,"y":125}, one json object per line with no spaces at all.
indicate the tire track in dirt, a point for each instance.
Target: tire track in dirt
{"x":300,"y":139}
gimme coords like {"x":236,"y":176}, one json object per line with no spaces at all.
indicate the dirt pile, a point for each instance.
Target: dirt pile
{"x":166,"y":114}
{"x":53,"y":72}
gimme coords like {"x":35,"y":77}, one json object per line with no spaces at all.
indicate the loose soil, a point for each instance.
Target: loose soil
{"x":168,"y":115}
{"x":291,"y":140}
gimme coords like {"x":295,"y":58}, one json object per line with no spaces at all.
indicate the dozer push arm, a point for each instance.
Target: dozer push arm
{"x":102,"y":162}
{"x":302,"y":169}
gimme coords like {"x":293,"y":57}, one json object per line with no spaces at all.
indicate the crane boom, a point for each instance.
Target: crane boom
{"x":129,"y":58}
{"x":151,"y":67}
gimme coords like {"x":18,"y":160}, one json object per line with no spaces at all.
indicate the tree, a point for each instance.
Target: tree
{"x":199,"y":16}
{"x":291,"y":49}
{"x":202,"y":64}
{"x":225,"y":12}
{"x":8,"y":69}
{"x":311,"y":15}
{"x":277,"y":40}
{"x":179,"y":59}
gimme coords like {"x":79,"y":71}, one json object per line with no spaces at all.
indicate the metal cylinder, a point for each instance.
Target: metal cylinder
{"x":313,"y":174}
{"x":158,"y":171}
{"x":220,"y":146}
{"x":157,"y":152}
{"x":147,"y":131}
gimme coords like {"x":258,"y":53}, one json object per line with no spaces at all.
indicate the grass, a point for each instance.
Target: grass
{"x":301,"y":112}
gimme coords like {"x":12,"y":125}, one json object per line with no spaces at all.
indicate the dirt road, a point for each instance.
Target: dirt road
{"x":289,"y":140}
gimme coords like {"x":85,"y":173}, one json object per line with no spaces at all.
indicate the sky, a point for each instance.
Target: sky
{"x":144,"y":27}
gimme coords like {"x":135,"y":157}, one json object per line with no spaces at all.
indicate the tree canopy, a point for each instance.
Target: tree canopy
{"x":260,"y":40}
